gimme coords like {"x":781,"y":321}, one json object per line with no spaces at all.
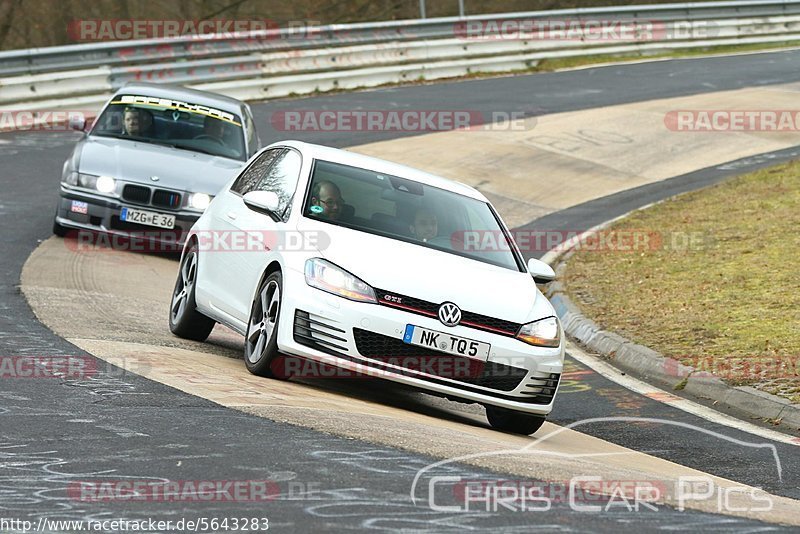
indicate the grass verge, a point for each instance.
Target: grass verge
{"x":711,"y":280}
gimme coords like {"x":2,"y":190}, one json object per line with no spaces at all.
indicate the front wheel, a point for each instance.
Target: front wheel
{"x":261,"y":339}
{"x":60,"y":231}
{"x":184,"y":319}
{"x":511,"y":421}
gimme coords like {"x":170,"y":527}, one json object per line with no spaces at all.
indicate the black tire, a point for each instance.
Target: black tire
{"x":511,"y":421}
{"x":184,"y":319}
{"x":261,"y":339}
{"x":60,"y":231}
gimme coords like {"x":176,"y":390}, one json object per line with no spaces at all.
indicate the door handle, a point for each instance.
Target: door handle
{"x":231,"y":215}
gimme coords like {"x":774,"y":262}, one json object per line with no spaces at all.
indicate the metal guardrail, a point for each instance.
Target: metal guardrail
{"x":282,"y":61}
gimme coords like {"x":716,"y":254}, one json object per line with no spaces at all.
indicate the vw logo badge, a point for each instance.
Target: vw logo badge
{"x":449,"y":314}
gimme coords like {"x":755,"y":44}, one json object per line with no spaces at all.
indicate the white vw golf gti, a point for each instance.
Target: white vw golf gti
{"x":369,"y":267}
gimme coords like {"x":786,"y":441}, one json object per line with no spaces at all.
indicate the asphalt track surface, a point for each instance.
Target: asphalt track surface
{"x":123,"y":426}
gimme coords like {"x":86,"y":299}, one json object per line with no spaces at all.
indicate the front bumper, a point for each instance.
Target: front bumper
{"x":103,"y":216}
{"x":367,"y":338}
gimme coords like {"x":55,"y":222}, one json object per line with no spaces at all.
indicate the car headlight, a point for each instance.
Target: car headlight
{"x":105,"y":184}
{"x":199,"y":201}
{"x":542,"y":333}
{"x":328,"y":277}
{"x":102,"y":184}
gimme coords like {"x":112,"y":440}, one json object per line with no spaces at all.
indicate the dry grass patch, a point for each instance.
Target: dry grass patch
{"x":719,"y":291}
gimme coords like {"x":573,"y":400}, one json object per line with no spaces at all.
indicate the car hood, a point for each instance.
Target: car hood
{"x":432,"y":275}
{"x":136,"y":162}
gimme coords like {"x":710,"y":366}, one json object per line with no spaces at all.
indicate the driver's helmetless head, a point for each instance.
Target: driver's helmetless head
{"x":131,"y":120}
{"x":327,"y":195}
{"x":213,"y":127}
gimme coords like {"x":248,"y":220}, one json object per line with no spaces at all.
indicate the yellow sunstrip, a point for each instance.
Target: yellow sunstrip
{"x":168,"y":103}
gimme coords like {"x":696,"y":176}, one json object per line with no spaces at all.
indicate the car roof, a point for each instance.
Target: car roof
{"x":178,"y":92}
{"x":346,"y":157}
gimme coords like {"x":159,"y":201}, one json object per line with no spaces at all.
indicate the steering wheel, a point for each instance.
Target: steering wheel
{"x":210,"y":138}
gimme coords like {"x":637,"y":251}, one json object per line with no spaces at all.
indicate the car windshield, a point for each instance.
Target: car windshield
{"x":174,"y":123}
{"x":408,"y":211}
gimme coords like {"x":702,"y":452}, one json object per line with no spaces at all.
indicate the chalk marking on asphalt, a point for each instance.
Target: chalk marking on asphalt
{"x":637,"y":386}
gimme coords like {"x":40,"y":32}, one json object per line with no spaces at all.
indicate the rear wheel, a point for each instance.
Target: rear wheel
{"x":261,"y":339}
{"x":184,"y":319}
{"x":511,"y":421}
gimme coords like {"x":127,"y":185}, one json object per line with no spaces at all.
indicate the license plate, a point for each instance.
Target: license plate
{"x":422,"y":337}
{"x":150,"y":218}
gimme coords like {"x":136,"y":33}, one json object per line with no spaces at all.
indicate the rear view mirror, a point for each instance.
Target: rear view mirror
{"x":541,"y":272}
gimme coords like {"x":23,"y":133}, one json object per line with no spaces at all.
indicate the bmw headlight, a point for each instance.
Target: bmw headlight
{"x":328,"y":277}
{"x":542,"y":333}
{"x":102,"y":184}
{"x":105,"y":184}
{"x":199,"y":201}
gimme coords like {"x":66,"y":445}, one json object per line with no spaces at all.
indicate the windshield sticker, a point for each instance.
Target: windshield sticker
{"x":177,"y":105}
{"x":316,"y":209}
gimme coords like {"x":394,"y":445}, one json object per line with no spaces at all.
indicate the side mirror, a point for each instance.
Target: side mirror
{"x":262,"y":201}
{"x":541,"y":272}
{"x":77,"y":122}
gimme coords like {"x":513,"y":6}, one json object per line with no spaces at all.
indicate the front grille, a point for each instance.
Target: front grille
{"x":136,"y":193}
{"x":394,"y":351}
{"x":166,"y":199}
{"x":431,"y":309}
{"x":161,"y":198}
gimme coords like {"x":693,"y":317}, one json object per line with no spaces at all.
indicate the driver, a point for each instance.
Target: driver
{"x":137,"y":122}
{"x":213,"y":129}
{"x":426,"y":225}
{"x":327,"y":196}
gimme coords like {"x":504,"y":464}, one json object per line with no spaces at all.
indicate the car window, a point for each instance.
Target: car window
{"x":281,"y":178}
{"x":276,"y":170}
{"x":248,"y":180}
{"x":175,"y":123}
{"x":410,"y":211}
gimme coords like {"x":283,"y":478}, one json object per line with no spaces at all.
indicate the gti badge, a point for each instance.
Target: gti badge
{"x":449,"y":314}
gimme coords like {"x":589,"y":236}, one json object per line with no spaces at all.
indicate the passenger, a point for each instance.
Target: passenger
{"x":426,"y":225}
{"x":326,"y":200}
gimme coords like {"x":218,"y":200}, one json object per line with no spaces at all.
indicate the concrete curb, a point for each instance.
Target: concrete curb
{"x":656,"y":368}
